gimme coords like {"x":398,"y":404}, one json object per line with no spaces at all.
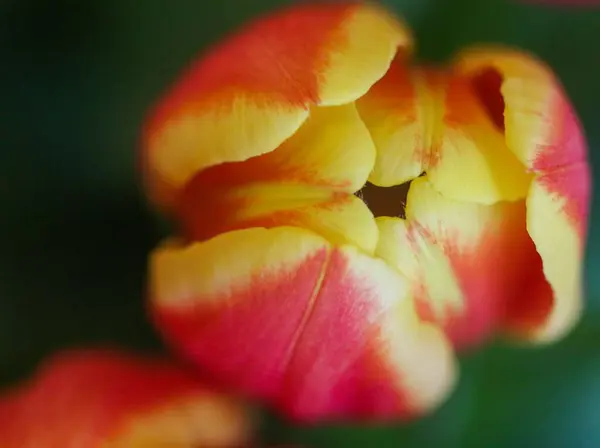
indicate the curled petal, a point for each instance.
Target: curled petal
{"x":430,"y":120}
{"x":284,"y":315}
{"x":543,"y":131}
{"x":98,"y":398}
{"x":556,"y":222}
{"x":524,"y":96}
{"x":250,"y":93}
{"x":473,"y":267}
{"x":308,"y":181}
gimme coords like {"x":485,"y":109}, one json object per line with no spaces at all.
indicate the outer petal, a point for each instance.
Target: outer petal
{"x":540,"y":124}
{"x":308,"y":181}
{"x":431,"y":120}
{"x":544,"y":132}
{"x":556,"y":220}
{"x":319,"y":314}
{"x":105,"y":399}
{"x":249,"y":94}
{"x":473,"y":267}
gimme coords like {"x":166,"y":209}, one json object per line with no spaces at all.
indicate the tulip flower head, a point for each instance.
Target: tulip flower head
{"x":104,"y":399}
{"x":286,"y":285}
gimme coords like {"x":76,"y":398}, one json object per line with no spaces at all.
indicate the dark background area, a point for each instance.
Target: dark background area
{"x":76,"y":78}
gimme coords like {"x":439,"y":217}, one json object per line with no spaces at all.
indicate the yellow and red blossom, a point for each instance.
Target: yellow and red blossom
{"x":106,"y":399}
{"x":286,"y":286}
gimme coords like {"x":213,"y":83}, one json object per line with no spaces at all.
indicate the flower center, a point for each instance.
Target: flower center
{"x":391,"y":201}
{"x":385,"y":201}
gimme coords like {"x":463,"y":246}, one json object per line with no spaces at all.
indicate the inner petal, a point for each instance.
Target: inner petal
{"x":308,"y":182}
{"x":402,"y":112}
{"x":473,"y":162}
{"x":340,"y":217}
{"x":332,"y":149}
{"x":447,"y":125}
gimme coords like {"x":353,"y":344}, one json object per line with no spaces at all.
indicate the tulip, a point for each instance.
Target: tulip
{"x":349,"y":220}
{"x":101,"y":398}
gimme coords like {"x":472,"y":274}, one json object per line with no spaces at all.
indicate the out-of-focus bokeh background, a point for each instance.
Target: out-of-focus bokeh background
{"x":76,"y":78}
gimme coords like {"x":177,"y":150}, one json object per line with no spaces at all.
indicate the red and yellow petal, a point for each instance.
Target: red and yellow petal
{"x":543,"y":130}
{"x":308,"y":181}
{"x":540,"y":124}
{"x":473,"y":267}
{"x":342,"y":218}
{"x":284,"y":315}
{"x":401,"y":111}
{"x":557,"y":224}
{"x":98,"y":398}
{"x":332,"y":149}
{"x":473,"y":162}
{"x":250,"y":93}
{"x":430,"y":120}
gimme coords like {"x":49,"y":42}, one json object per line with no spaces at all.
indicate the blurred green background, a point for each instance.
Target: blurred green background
{"x":75,"y":80}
